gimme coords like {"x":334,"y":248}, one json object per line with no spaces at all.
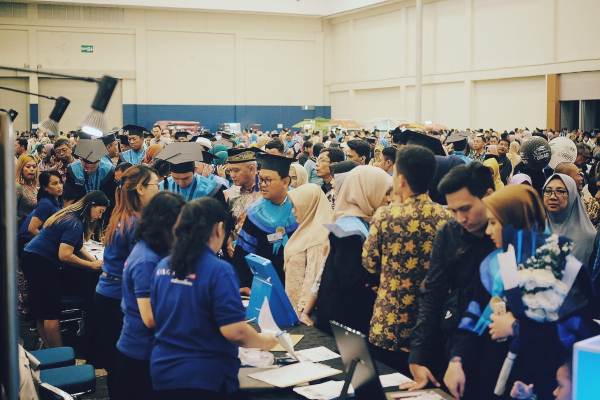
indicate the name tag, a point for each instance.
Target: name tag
{"x":274,"y":237}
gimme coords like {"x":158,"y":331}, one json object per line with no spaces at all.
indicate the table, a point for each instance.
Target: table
{"x":313,"y":337}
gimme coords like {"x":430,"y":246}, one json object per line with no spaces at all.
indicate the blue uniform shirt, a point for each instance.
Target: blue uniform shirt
{"x":69,"y":231}
{"x":201,"y":186}
{"x":136,"y":339}
{"x":91,"y":181}
{"x":134,"y":157}
{"x":115,"y":254}
{"x":44,"y":209}
{"x":189,"y":351}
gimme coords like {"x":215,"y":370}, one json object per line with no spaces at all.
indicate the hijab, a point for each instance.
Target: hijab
{"x":573,"y":222}
{"x":363,"y":192}
{"x":519,"y":179}
{"x":492,"y":164}
{"x":301,"y":174}
{"x":517,"y":205}
{"x":312,"y":210}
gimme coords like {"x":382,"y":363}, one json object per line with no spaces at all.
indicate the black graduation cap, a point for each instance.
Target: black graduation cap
{"x":135,"y":130}
{"x":183,"y":155}
{"x":422,"y":139}
{"x":90,"y":150}
{"x":242,"y":155}
{"x":371,"y":139}
{"x":182,"y":134}
{"x":208,"y":136}
{"x":226,"y":135}
{"x":279,"y":164}
{"x":124,"y":139}
{"x":108,"y":139}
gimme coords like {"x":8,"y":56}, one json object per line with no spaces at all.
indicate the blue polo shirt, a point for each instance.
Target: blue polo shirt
{"x":69,"y":231}
{"x":115,"y":254}
{"x":44,"y":209}
{"x":189,"y":351}
{"x":136,"y":339}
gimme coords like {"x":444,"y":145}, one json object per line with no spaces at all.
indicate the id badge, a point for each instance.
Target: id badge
{"x":277,"y":235}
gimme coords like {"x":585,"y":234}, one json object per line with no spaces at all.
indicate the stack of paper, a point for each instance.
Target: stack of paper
{"x":295,"y":374}
{"x":316,"y":354}
{"x":395,"y":379}
{"x":95,"y":249}
{"x":323,"y":391}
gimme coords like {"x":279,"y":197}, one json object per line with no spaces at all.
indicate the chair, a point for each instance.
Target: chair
{"x":75,"y":379}
{"x":55,"y":357}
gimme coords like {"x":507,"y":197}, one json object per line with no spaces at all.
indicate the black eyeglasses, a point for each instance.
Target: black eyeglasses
{"x":557,"y":192}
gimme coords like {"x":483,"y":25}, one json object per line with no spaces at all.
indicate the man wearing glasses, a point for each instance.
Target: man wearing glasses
{"x":269,"y":221}
{"x":63,"y":156}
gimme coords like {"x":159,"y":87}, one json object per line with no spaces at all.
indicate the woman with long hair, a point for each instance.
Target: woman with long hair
{"x":198,"y":313}
{"x":155,"y":236}
{"x":539,"y":318}
{"x":60,"y":242}
{"x":27,"y":186}
{"x":138,"y":185}
{"x":49,"y":201}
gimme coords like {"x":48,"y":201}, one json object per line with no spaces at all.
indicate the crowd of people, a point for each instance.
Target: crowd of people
{"x":399,"y":235}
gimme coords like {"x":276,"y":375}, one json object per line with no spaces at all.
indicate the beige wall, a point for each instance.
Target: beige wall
{"x":169,"y":57}
{"x":484,"y":61}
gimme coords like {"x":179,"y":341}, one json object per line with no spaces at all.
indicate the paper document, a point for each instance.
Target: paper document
{"x":95,"y":249}
{"x":316,"y":354}
{"x":266,"y":322}
{"x":420,"y":395}
{"x":395,"y":379}
{"x":323,"y":391}
{"x":295,"y":374}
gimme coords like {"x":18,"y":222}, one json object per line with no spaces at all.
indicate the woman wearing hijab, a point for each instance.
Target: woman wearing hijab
{"x":307,"y":249}
{"x":492,"y":164}
{"x":346,"y":292}
{"x":536,"y":330}
{"x":567,"y":216}
{"x":298,"y":175}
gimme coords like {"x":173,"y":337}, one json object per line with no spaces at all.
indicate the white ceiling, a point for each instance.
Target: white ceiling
{"x":290,"y":7}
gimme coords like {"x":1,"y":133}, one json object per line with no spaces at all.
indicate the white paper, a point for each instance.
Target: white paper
{"x":395,"y":379}
{"x":265,"y":319}
{"x":323,"y":391}
{"x":295,"y":374}
{"x":316,"y":354}
{"x":95,"y":249}
{"x":421,"y":395}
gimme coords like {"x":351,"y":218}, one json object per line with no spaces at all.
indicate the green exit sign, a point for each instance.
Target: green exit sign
{"x":87,"y":48}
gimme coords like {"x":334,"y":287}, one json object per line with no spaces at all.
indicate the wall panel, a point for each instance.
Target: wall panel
{"x":342,"y":50}
{"x":190,"y":68}
{"x":445,"y":103}
{"x":378,"y":104}
{"x":14,"y":47}
{"x":577,"y":29}
{"x":511,"y":32}
{"x":62,"y":50}
{"x":292,"y":78}
{"x":510,"y":103}
{"x":17,"y":101}
{"x":341,"y":106}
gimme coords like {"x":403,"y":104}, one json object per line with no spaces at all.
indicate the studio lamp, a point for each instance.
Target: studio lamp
{"x":95,"y":124}
{"x":51,"y":123}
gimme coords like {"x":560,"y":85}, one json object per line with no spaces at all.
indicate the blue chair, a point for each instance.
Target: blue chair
{"x":74,"y":379}
{"x":55,"y":357}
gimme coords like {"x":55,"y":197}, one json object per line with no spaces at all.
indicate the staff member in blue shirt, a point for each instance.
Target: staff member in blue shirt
{"x":59,"y":242}
{"x":49,"y":201}
{"x":138,"y":185}
{"x":154,"y":232}
{"x":198,"y":313}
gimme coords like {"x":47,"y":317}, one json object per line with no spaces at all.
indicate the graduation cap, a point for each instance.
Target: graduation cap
{"x":90,"y":150}
{"x":183,"y":155}
{"x":342,"y":167}
{"x":124,"y":139}
{"x":135,"y":130}
{"x":108,"y":139}
{"x":432,"y":143}
{"x":456,"y":137}
{"x":182,"y":134}
{"x":226,"y":135}
{"x":272,"y":162}
{"x":208,"y":135}
{"x":236,"y":156}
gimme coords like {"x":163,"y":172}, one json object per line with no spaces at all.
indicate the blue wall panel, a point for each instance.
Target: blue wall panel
{"x":33,"y":113}
{"x":211,"y":116}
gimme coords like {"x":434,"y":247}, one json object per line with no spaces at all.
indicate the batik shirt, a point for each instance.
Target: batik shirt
{"x":398,"y":248}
